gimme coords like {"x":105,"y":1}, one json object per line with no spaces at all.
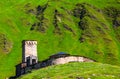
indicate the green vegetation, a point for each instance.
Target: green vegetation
{"x":80,"y":27}
{"x":76,"y":71}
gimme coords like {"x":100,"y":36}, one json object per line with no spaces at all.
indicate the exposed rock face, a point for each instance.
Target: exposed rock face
{"x":87,"y":22}
{"x":114,"y":17}
{"x":5,"y":44}
{"x":38,"y":12}
{"x":68,"y":59}
{"x":114,"y":14}
{"x":80,"y":12}
{"x":57,"y":29}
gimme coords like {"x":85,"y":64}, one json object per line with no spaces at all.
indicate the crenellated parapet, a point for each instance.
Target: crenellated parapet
{"x":30,"y":42}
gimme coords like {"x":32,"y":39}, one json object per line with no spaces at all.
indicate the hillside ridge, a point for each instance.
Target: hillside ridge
{"x":81,"y":27}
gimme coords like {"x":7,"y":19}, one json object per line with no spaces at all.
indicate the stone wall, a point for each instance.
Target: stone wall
{"x":68,"y":59}
{"x":22,"y":68}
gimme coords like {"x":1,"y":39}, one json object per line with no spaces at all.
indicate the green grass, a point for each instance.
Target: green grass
{"x":15,"y":24}
{"x":76,"y":70}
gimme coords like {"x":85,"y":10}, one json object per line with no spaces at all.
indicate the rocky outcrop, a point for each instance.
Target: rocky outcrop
{"x":57,"y":29}
{"x":113,"y":15}
{"x":5,"y":44}
{"x":38,"y":12}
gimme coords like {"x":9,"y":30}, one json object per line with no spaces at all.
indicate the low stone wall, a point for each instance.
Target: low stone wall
{"x":23,"y":68}
{"x":68,"y":59}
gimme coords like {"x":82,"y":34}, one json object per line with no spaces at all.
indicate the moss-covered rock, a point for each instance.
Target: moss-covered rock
{"x":5,"y":44}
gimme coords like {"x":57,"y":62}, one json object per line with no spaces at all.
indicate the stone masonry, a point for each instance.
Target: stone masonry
{"x":68,"y":59}
{"x":30,"y":51}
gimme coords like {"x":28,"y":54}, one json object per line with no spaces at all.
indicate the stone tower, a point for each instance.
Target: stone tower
{"x":29,"y":52}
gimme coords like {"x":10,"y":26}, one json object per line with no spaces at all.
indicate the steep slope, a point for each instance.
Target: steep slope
{"x":76,"y":71}
{"x":80,"y":27}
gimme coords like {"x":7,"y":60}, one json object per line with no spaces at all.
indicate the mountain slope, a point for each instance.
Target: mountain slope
{"x":76,"y":71}
{"x":81,"y":27}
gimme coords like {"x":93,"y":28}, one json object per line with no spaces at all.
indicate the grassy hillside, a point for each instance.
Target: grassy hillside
{"x":76,"y":71}
{"x":81,"y":27}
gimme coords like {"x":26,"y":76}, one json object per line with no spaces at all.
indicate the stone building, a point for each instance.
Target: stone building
{"x":62,"y":58}
{"x":29,"y":52}
{"x":30,"y":59}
